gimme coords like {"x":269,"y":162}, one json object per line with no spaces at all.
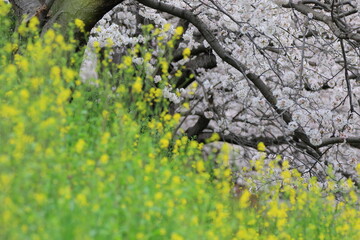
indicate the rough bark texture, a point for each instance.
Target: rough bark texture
{"x":22,"y":7}
{"x":64,"y":11}
{"x":90,"y":11}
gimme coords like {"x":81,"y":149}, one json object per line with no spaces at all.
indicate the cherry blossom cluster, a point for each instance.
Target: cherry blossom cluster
{"x":314,"y":77}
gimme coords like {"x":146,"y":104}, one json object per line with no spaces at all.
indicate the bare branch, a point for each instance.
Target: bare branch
{"x":339,"y":32}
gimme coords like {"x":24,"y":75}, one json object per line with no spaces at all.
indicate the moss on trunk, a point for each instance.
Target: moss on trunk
{"x":90,"y":11}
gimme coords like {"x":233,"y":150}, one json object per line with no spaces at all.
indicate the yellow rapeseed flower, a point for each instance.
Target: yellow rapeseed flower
{"x":175,"y":236}
{"x":24,"y":94}
{"x":59,"y":39}
{"x":34,"y":24}
{"x":244,"y":201}
{"x":65,"y":192}
{"x":105,"y":138}
{"x":170,"y":44}
{"x":164,"y":66}
{"x":176,"y":180}
{"x":164,"y":143}
{"x":80,"y":24}
{"x":90,"y":162}
{"x":55,"y":73}
{"x":214,"y":137}
{"x":105,"y":114}
{"x":156,"y":32}
{"x":148,"y":27}
{"x":158,"y":195}
{"x":162,"y":231}
{"x":49,"y":36}
{"x":140,"y":236}
{"x":104,"y":159}
{"x":79,"y":146}
{"x":186,"y":105}
{"x":178,"y":73}
{"x":22,"y":30}
{"x":186,"y":53}
{"x":69,"y":74}
{"x":179,"y":30}
{"x":127,"y":60}
{"x":167,"y":27}
{"x":96,"y":44}
{"x":358,"y":168}
{"x":261,"y":147}
{"x":176,"y":117}
{"x":8,"y":111}
{"x":22,"y":62}
{"x":109,"y":42}
{"x":40,"y":198}
{"x":4,"y":8}
{"x":137,"y":86}
{"x":63,"y":96}
{"x":5,"y":180}
{"x":286,"y":175}
{"x":36,"y":82}
{"x":147,"y":57}
{"x":167,"y":117}
{"x":158,"y":92}
{"x":81,"y":199}
{"x":200,"y":166}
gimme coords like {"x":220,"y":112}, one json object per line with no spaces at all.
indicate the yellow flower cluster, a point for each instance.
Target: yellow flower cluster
{"x":4,"y":8}
{"x":154,"y":95}
{"x":80,"y":25}
{"x":137,"y":85}
{"x":186,"y":53}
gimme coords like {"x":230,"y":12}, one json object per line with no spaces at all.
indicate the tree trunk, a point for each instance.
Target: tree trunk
{"x":63,"y":11}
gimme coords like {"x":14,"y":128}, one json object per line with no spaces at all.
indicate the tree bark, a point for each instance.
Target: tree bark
{"x":25,"y":7}
{"x":64,"y":11}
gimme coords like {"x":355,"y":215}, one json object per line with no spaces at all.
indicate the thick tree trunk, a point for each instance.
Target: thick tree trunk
{"x":90,"y":11}
{"x":64,"y":11}
{"x":25,"y":7}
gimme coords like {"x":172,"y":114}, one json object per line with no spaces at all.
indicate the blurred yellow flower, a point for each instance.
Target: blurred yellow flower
{"x":127,"y":60}
{"x":147,"y":57}
{"x":137,"y":87}
{"x":164,"y":143}
{"x":186,"y":52}
{"x":33,"y":24}
{"x":80,"y":24}
{"x":104,"y":159}
{"x":200,"y":167}
{"x":167,"y":27}
{"x":79,"y":146}
{"x":261,"y":147}
{"x":179,"y":30}
{"x":175,"y":236}
{"x":81,"y":199}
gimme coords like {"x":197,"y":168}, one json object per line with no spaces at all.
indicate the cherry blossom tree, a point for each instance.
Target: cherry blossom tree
{"x":281,"y":72}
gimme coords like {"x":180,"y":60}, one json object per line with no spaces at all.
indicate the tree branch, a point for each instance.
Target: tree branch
{"x":339,"y":32}
{"x":206,"y":61}
{"x":226,"y":57}
{"x":243,"y":140}
{"x":353,"y":141}
{"x":199,"y":126}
